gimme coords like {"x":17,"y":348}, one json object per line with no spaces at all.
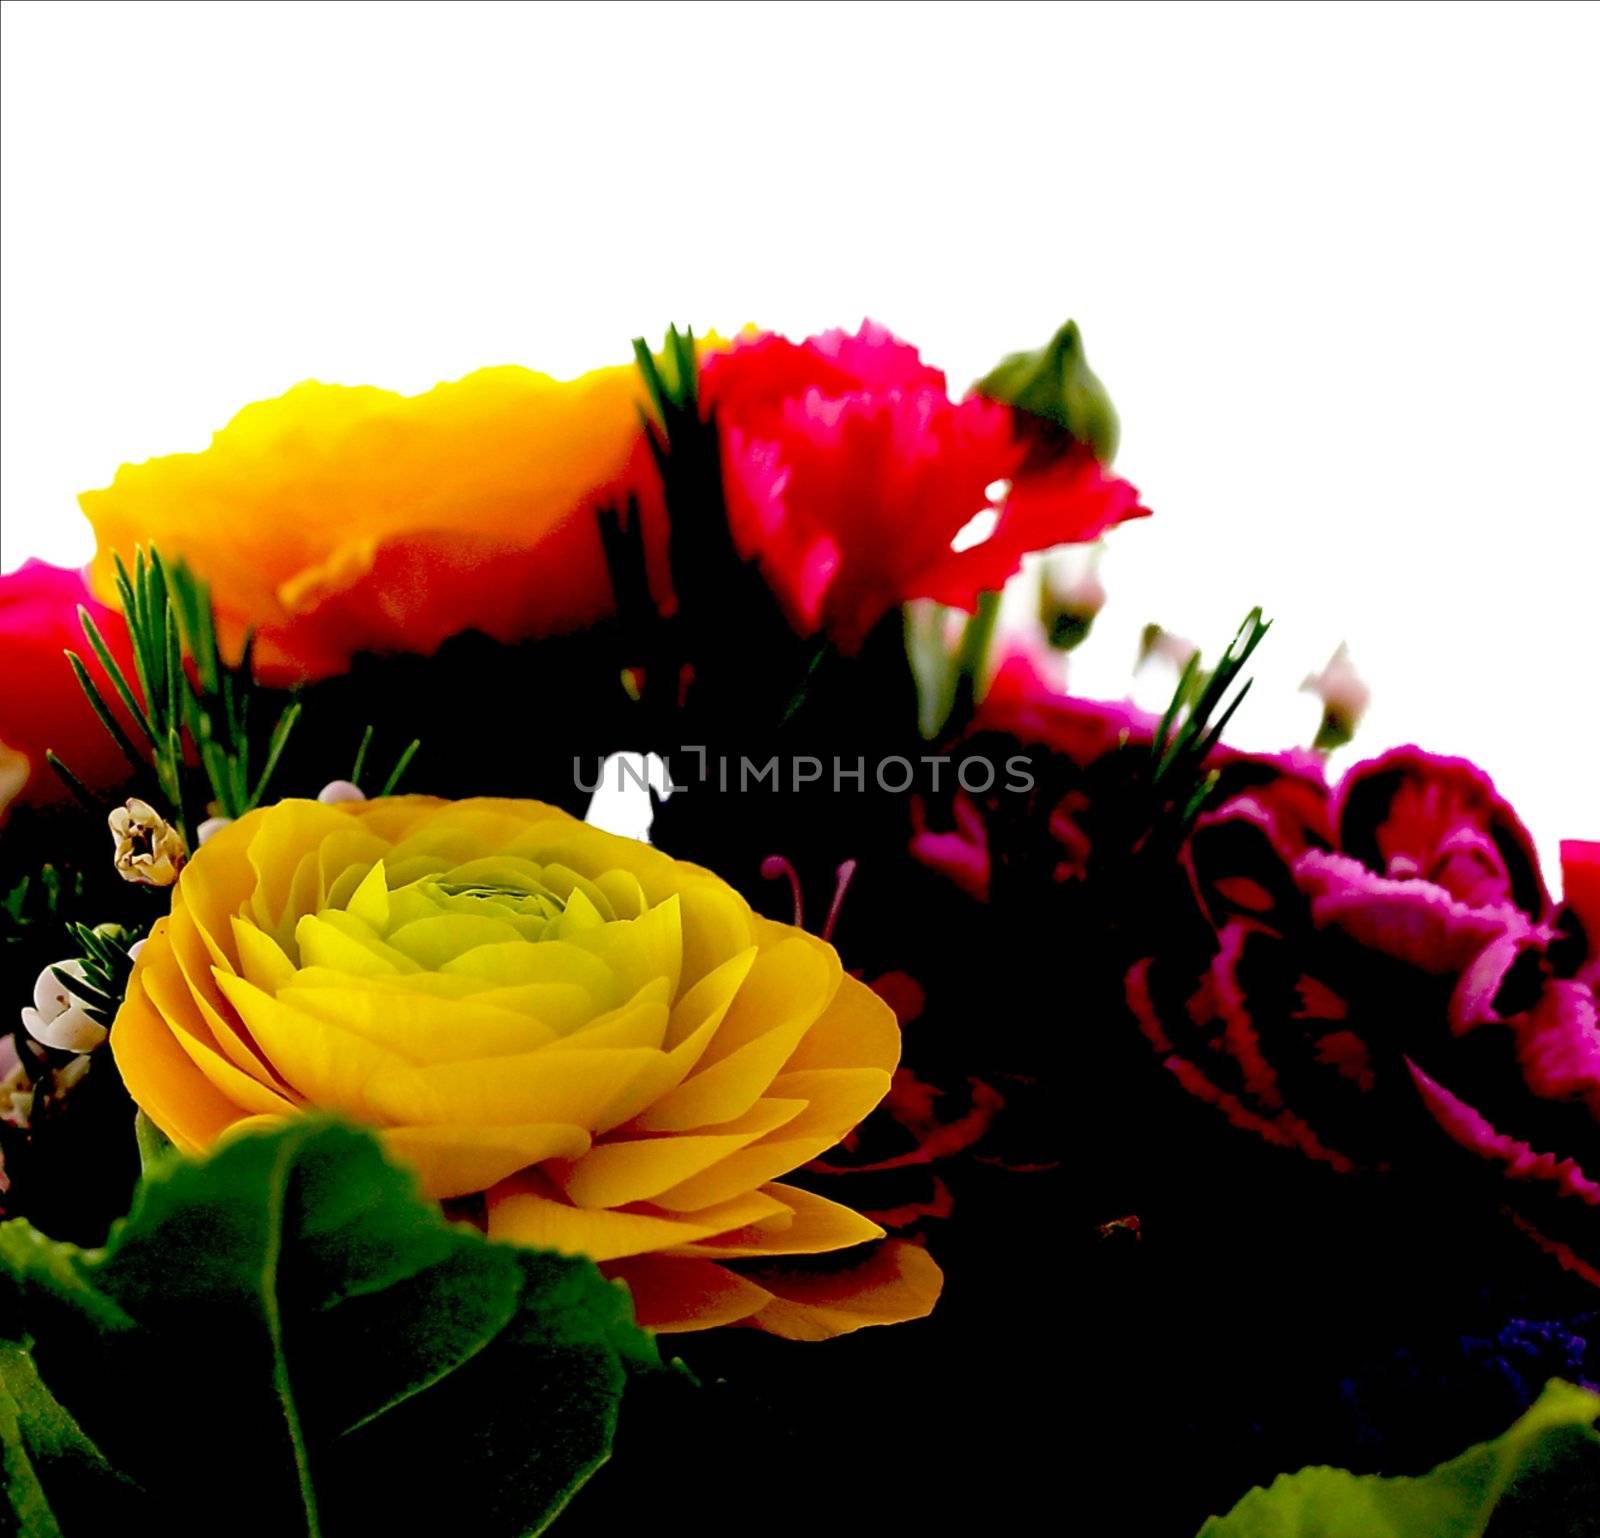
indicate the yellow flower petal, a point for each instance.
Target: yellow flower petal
{"x":163,"y":985}
{"x":195,"y":961}
{"x":458,"y":1160}
{"x":160,"y":1075}
{"x":276,"y":846}
{"x":580,"y":1086}
{"x":616,"y":1173}
{"x":261,"y":958}
{"x":813,"y":1225}
{"x":837,"y":1099}
{"x":674,"y":1293}
{"x":409,"y":1025}
{"x":896,"y":1283}
{"x":370,"y":900}
{"x":521,"y":1213}
{"x":784,"y":992}
{"x":857,"y":1028}
{"x":343,"y":942}
{"x":641,"y":1022}
{"x":791,"y":983}
{"x":329,"y":1066}
{"x":797,"y":1142}
{"x":637,"y":950}
{"x":431,"y":942}
{"x":512,"y":964}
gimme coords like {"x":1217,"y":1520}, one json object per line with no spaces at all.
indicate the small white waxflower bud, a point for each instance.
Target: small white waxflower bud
{"x":1345,"y":697}
{"x":1157,"y":644}
{"x":336,"y":791}
{"x":1071,"y":594}
{"x":58,"y":1018}
{"x":149,"y":850}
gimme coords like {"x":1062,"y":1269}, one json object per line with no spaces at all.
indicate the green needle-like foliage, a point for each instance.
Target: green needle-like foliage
{"x":182,"y":692}
{"x":1185,"y":739}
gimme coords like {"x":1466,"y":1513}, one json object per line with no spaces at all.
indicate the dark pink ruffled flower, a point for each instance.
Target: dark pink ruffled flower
{"x":849,"y":472}
{"x":1415,"y":814}
{"x":1396,"y":996}
{"x":41,"y":706}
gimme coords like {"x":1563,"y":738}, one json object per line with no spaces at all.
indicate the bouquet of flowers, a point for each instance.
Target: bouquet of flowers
{"x":571,"y":961}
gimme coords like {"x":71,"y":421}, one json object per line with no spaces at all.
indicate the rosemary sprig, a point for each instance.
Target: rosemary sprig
{"x":401,"y":765}
{"x":171,"y":623}
{"x":710,"y":579}
{"x":361,"y":755}
{"x":35,"y":899}
{"x":1185,"y":739}
{"x":364,"y":752}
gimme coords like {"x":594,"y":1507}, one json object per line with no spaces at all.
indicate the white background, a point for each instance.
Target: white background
{"x":1338,"y":266}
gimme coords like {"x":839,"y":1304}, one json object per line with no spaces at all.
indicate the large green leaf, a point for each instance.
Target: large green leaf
{"x":288,"y":1339}
{"x":42,"y":1451}
{"x":1541,"y":1479}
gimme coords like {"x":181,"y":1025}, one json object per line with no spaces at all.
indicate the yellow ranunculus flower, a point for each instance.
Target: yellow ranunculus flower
{"x":605,"y":1042}
{"x":335,"y":520}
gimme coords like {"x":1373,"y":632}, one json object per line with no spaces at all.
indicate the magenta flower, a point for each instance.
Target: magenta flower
{"x":1392,"y":988}
{"x":41,"y":706}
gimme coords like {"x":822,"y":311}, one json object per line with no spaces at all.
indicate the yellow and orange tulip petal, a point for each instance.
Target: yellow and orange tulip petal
{"x":606,"y":1044}
{"x":335,"y":520}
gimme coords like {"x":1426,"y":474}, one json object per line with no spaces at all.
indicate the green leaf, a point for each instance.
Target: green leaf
{"x":1055,"y":384}
{"x":950,"y":681}
{"x":1542,"y":1477}
{"x":153,"y":1143}
{"x":290,"y":1325}
{"x":43,"y":1450}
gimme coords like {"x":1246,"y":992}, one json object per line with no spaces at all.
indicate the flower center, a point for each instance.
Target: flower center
{"x":515,"y":937}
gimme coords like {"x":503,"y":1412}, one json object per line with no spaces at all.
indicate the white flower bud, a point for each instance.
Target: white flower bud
{"x":52,"y":997}
{"x":336,"y":791}
{"x":149,"y":849}
{"x":1344,"y":695}
{"x":1071,"y":594}
{"x":1156,"y":644}
{"x":58,"y":1018}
